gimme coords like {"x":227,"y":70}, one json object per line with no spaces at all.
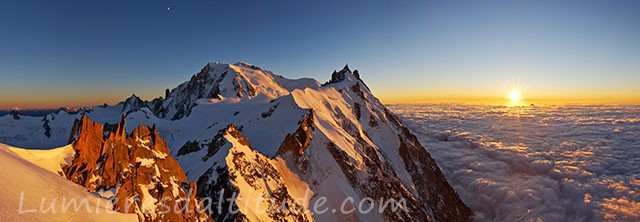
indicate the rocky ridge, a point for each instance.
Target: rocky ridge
{"x":137,"y":168}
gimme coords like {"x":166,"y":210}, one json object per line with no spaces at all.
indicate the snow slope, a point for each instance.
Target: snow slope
{"x":51,"y":159}
{"x":24,"y":186}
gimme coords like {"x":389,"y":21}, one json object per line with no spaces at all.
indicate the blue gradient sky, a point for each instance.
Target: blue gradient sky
{"x":69,"y":53}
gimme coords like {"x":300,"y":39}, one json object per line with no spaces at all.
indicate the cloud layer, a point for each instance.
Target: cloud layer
{"x":556,"y":163}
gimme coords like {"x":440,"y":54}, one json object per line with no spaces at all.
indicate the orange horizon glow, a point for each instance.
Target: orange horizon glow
{"x":499,"y":97}
{"x":75,"y":100}
{"x":55,"y":104}
{"x":512,"y":93}
{"x":497,"y":100}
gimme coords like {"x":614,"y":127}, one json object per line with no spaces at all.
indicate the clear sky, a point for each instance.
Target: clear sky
{"x":77,"y":53}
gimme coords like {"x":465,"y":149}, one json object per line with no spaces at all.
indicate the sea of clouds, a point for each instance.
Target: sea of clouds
{"x":555,"y":163}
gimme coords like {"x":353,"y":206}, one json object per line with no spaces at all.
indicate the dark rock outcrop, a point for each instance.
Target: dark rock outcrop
{"x":339,"y":76}
{"x":295,"y":143}
{"x":132,"y":104}
{"x":46,"y":127}
{"x":344,"y":74}
{"x":14,"y":114}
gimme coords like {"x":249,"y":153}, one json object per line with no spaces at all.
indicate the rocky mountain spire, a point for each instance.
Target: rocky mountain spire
{"x":15,"y":114}
{"x":339,"y":76}
{"x":138,"y":166}
{"x":345,"y":74}
{"x":346,"y":68}
{"x":132,"y":104}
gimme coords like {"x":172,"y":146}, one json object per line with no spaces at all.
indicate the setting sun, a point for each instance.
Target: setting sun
{"x":515,"y":96}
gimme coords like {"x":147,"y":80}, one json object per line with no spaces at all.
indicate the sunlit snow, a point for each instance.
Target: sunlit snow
{"x":31,"y":193}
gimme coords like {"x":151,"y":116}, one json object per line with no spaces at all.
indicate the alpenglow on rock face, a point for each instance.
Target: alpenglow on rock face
{"x":138,"y":167}
{"x":248,"y":137}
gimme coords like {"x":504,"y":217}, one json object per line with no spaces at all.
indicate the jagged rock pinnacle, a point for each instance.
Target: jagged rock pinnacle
{"x":346,"y":68}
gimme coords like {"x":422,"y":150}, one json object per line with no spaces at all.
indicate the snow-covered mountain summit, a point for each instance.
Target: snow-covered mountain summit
{"x":217,"y":82}
{"x":237,"y":128}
